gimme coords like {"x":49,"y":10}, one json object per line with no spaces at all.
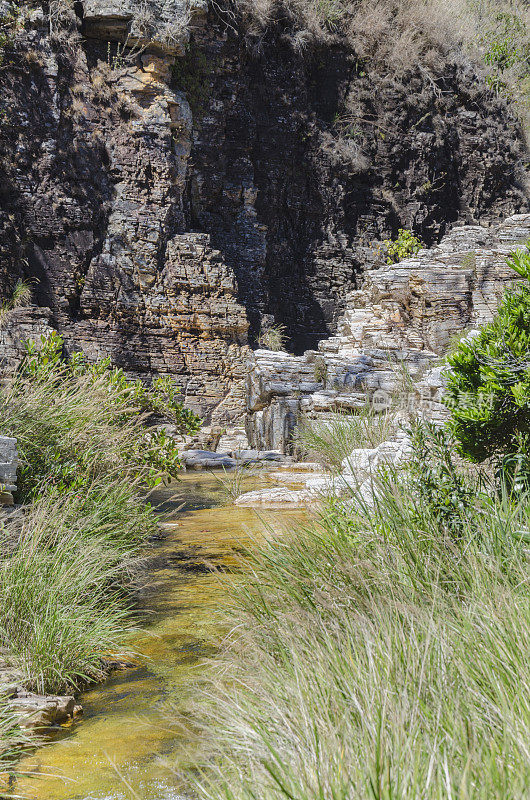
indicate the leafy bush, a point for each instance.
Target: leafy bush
{"x":405,"y":246}
{"x":75,"y":421}
{"x":434,"y":478}
{"x":488,"y":391}
{"x":161,"y":397}
{"x":87,"y":459}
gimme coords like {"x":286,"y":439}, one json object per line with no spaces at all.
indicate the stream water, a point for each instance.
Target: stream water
{"x":124,"y":744}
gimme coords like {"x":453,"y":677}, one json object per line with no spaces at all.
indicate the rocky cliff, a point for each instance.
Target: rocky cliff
{"x":392,"y":337}
{"x":170,"y":190}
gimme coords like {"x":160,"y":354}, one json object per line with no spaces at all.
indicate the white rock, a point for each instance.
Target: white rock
{"x":360,"y":459}
{"x":274,"y":498}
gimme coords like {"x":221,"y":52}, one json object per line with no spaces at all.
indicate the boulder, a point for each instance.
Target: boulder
{"x":367,"y":460}
{"x":41,"y":711}
{"x":360,"y":459}
{"x":206,"y":459}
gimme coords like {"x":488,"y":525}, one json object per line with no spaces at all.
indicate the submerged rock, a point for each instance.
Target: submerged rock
{"x":258,"y":456}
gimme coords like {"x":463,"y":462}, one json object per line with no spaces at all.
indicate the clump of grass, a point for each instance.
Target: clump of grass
{"x":62,"y":575}
{"x":377,"y":654}
{"x":233,"y":481}
{"x":331,"y":440}
{"x":273,"y":338}
{"x":20,"y":297}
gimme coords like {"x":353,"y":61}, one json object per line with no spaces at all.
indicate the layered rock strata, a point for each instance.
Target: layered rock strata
{"x":392,"y":336}
{"x":167,"y":189}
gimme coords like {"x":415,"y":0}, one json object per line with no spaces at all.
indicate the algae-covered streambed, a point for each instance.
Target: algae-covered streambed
{"x":125,"y":743}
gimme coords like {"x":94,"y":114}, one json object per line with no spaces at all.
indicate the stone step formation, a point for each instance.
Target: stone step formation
{"x":392,"y":337}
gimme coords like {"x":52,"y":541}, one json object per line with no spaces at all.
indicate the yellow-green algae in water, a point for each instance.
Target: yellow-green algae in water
{"x":117,"y":749}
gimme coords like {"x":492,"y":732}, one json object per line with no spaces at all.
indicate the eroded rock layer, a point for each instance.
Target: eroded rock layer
{"x":392,"y":336}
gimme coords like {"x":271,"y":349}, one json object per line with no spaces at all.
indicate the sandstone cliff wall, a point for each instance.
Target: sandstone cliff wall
{"x":170,"y":191}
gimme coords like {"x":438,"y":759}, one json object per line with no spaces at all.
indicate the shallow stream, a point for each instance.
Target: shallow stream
{"x":123,"y":746}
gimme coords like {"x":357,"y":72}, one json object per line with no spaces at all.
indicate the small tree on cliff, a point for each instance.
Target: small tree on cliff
{"x":488,"y":390}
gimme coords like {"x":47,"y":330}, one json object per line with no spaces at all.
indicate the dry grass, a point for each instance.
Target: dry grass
{"x":331,"y":440}
{"x":399,"y":34}
{"x":396,"y":38}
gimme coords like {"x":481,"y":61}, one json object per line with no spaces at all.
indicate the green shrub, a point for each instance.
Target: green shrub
{"x":436,"y":480}
{"x":87,"y":459}
{"x":488,"y":391}
{"x":405,"y":246}
{"x":75,"y":421}
{"x":162,"y":397}
{"x":9,"y":18}
{"x":506,"y":48}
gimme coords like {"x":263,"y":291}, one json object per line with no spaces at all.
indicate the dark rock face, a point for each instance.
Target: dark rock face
{"x":302,"y":164}
{"x":162,"y":212}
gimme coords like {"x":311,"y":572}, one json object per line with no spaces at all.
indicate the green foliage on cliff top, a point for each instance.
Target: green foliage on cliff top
{"x":399,"y":36}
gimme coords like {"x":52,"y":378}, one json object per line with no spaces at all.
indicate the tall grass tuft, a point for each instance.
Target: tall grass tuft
{"x":331,"y":440}
{"x":86,"y":460}
{"x":377,"y":653}
{"x":62,"y":576}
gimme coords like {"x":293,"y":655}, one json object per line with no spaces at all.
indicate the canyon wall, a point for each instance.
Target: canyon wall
{"x":170,"y":191}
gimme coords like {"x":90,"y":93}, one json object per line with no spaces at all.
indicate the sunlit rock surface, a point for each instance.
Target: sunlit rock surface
{"x":391,"y":338}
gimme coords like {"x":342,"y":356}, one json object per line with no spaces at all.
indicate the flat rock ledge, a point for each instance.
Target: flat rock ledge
{"x":38,"y":711}
{"x":276,"y":498}
{"x":35,"y":711}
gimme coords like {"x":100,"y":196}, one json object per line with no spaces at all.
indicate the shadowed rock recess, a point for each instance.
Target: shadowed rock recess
{"x":170,"y":191}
